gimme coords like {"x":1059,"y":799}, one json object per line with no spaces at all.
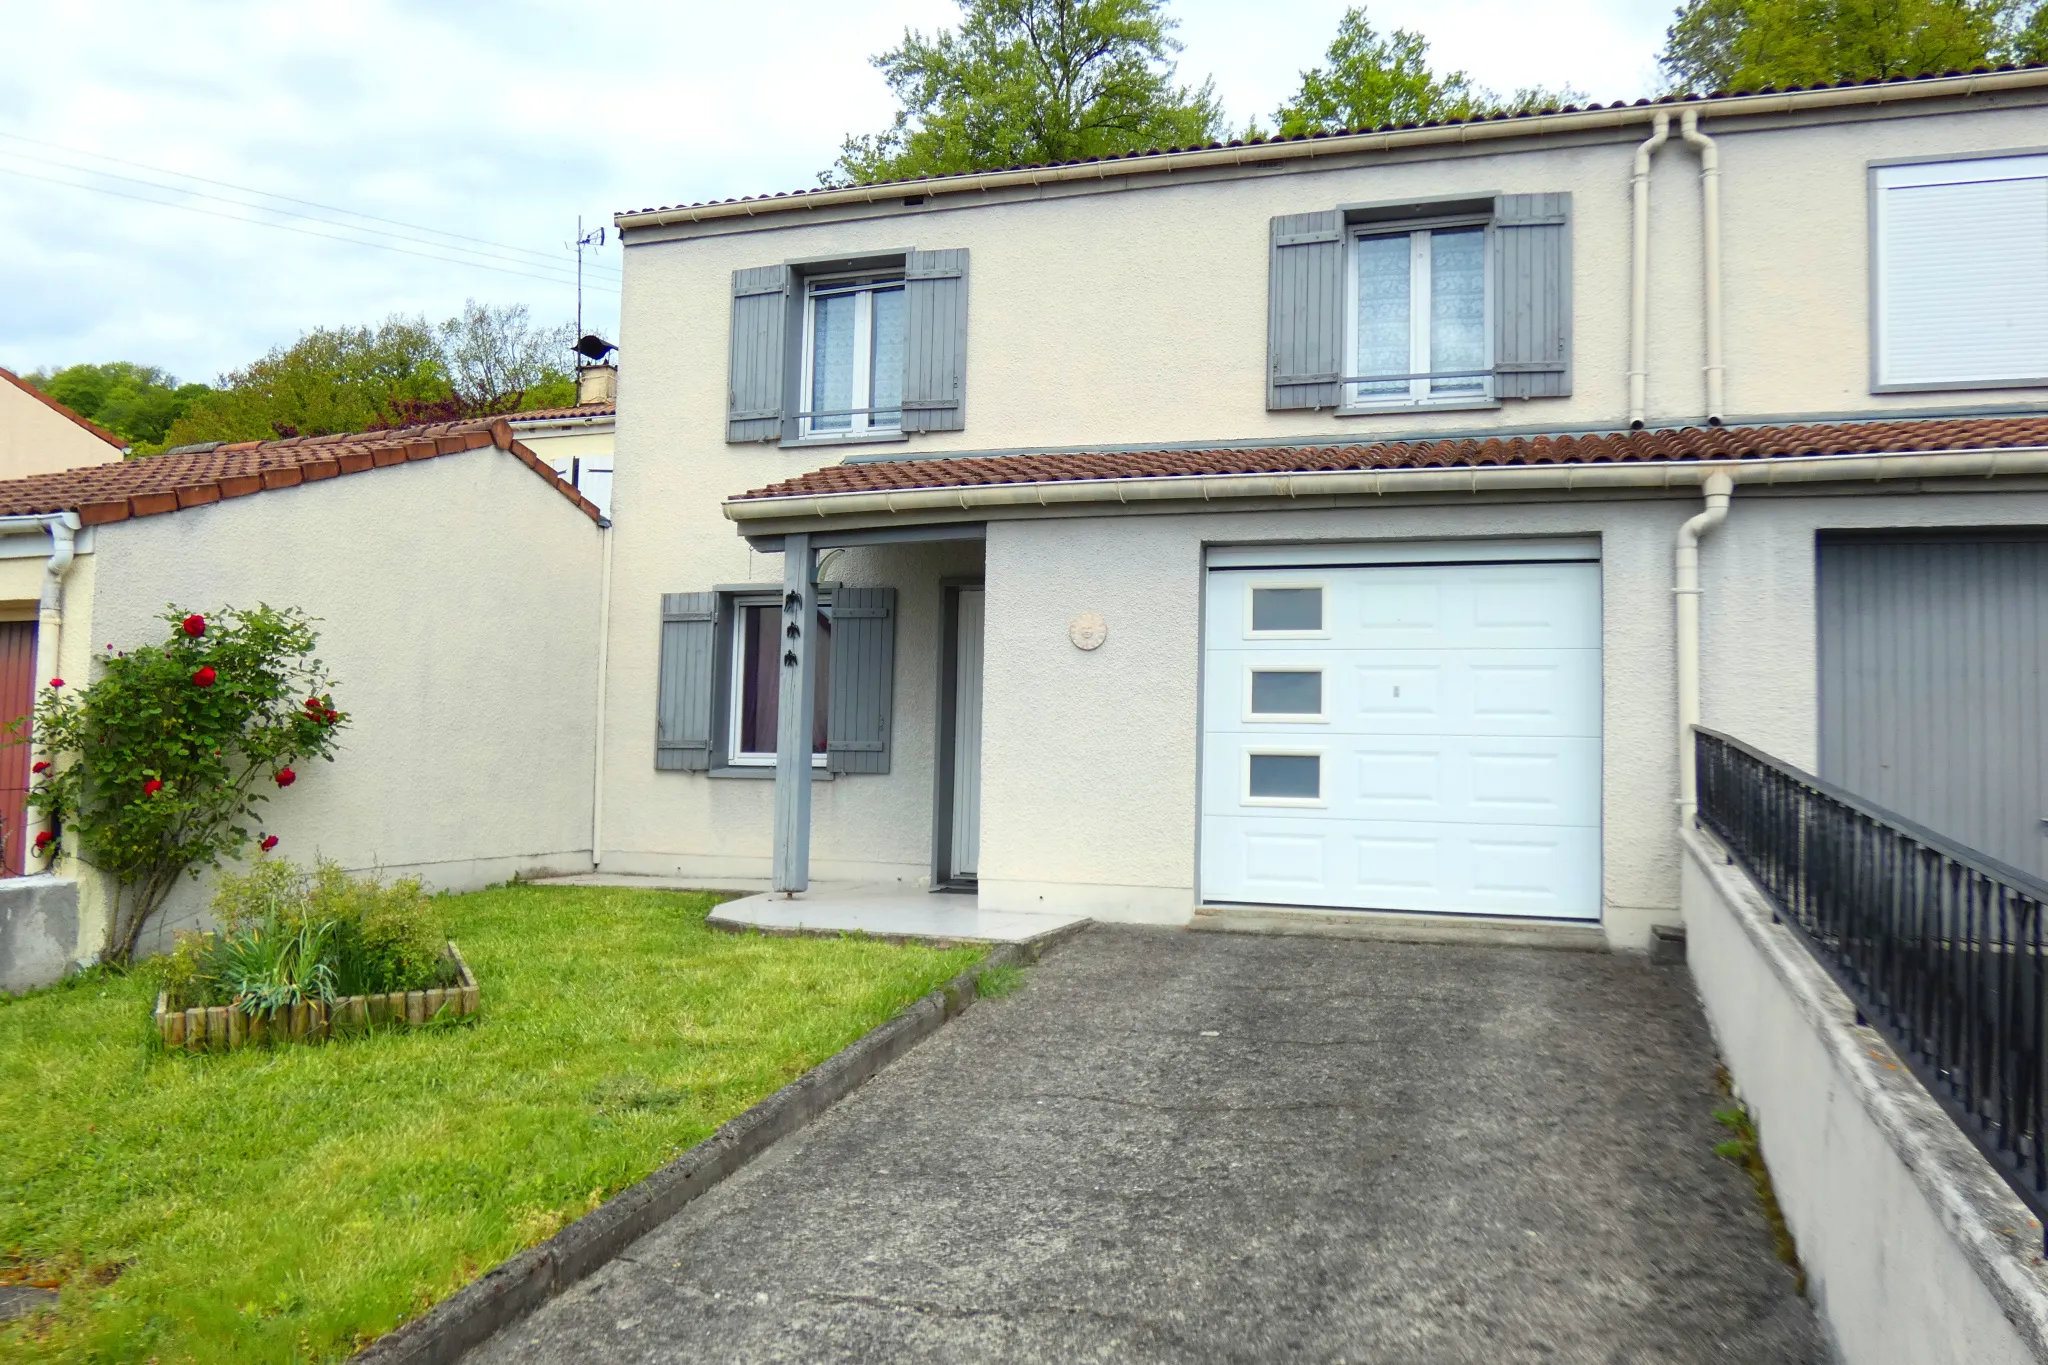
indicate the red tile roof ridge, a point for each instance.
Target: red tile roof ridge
{"x":32,"y":391}
{"x":608,"y":408}
{"x":211,"y":472}
{"x":1686,"y":444}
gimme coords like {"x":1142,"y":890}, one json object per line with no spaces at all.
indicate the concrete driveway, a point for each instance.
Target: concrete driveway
{"x":1211,"y":1147}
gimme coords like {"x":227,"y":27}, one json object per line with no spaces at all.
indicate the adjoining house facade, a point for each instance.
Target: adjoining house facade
{"x":39,"y":435}
{"x":455,"y":579}
{"x":1300,"y":523}
{"x":576,"y":442}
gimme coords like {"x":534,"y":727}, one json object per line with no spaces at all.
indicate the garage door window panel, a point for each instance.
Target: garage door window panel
{"x":1286,"y":611}
{"x":1283,"y":777}
{"x":1285,"y":695}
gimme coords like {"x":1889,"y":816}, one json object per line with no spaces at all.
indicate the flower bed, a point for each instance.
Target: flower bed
{"x":222,"y":1027}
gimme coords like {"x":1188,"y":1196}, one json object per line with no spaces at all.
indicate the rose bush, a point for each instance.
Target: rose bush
{"x":161,"y":762}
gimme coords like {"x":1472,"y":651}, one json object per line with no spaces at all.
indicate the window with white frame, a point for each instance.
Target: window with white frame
{"x":1961,"y":275}
{"x":1419,"y":319}
{"x":853,"y":356}
{"x":755,"y":683}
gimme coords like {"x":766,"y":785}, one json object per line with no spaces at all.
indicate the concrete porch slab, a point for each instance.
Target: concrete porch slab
{"x":887,"y":911}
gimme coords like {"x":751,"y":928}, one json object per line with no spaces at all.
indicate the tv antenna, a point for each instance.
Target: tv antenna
{"x":593,"y":240}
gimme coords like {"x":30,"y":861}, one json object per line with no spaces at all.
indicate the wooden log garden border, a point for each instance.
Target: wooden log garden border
{"x":223,"y":1027}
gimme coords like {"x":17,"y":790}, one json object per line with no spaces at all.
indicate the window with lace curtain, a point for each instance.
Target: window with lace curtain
{"x":1419,"y":317}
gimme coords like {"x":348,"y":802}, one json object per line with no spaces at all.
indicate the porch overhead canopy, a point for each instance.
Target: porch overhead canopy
{"x":969,"y":488}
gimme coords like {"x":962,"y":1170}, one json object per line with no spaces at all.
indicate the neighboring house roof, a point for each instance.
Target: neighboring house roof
{"x":193,"y":476}
{"x":1666,"y":445}
{"x":563,"y":414}
{"x":32,"y":391}
{"x":1529,"y":121}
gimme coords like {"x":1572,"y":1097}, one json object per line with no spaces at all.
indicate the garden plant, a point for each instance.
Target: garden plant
{"x":156,"y":769}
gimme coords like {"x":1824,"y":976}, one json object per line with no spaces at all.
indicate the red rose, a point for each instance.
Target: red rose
{"x":330,"y":717}
{"x":43,"y":840}
{"x":269,"y":842}
{"x":152,"y":787}
{"x":41,"y":766}
{"x":195,"y":625}
{"x":285,"y":777}
{"x":204,"y":677}
{"x":56,"y":682}
{"x":313,"y":705}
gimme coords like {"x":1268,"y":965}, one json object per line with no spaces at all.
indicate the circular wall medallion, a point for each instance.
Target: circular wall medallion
{"x":1088,"y":630}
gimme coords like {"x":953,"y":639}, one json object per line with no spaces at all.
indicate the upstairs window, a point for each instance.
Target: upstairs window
{"x":1419,"y":311}
{"x":1961,"y":274}
{"x":853,"y":357}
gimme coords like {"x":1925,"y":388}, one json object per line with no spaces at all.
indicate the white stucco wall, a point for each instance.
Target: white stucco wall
{"x":1915,"y":1251}
{"x":37,"y":439}
{"x":457,"y":606}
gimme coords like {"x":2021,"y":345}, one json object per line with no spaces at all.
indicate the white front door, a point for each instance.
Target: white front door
{"x":966,"y":852}
{"x":1419,"y":737}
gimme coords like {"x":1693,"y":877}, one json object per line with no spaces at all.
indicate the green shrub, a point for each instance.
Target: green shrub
{"x":288,"y":936}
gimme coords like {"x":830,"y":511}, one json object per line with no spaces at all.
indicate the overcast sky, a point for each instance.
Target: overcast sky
{"x":488,"y":127}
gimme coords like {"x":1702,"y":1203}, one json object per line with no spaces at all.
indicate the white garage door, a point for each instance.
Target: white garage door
{"x":1415,"y":736}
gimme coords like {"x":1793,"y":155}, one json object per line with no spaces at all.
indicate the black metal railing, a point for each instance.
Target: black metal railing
{"x":1941,"y":948}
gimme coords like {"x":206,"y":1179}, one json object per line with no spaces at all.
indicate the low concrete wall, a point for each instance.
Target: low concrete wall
{"x":38,"y":931}
{"x":1915,"y":1250}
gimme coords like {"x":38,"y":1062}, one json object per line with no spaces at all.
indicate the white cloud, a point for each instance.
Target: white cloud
{"x":505,"y":121}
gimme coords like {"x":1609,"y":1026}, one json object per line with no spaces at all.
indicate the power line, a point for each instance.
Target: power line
{"x":303,"y":232}
{"x":288,"y":213}
{"x":547,"y":257}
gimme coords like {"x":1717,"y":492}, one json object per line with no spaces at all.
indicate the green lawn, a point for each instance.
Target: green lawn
{"x":293,"y":1204}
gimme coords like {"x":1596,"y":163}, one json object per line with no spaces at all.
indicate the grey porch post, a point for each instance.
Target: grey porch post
{"x":795,"y":709}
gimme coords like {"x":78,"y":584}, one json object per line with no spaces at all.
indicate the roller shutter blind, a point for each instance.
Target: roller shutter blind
{"x":758,"y":374}
{"x":1962,"y":273}
{"x":1305,"y":311}
{"x":1532,"y":310}
{"x":862,"y":680}
{"x":683,"y":690}
{"x":935,"y":340}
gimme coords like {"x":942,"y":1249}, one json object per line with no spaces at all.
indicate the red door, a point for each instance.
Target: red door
{"x":17,"y":696}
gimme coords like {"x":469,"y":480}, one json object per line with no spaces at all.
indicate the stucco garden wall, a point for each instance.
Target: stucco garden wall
{"x":457,"y":600}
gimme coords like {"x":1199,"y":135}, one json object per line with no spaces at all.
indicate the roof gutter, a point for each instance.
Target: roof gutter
{"x":1265,"y":153}
{"x":849,"y":508}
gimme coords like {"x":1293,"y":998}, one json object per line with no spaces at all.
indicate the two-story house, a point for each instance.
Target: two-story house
{"x":1355,"y":522}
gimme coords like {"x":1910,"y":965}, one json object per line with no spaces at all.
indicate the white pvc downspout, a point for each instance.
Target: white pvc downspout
{"x":1639,"y":273}
{"x":604,"y":637}
{"x":63,"y":528}
{"x":1710,"y":251}
{"x":1686,"y":590}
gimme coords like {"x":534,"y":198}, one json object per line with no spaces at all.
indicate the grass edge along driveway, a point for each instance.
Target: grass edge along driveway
{"x":296,"y":1203}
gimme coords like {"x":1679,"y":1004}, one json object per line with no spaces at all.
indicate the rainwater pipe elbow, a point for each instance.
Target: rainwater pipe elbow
{"x":1686,"y":591}
{"x":1710,"y":252}
{"x":1639,"y":272}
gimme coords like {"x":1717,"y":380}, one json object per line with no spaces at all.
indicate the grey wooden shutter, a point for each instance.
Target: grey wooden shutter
{"x":863,"y":675}
{"x":1532,"y":253}
{"x":1305,"y":311}
{"x":935,"y":340}
{"x":757,"y":382}
{"x":682,"y":729}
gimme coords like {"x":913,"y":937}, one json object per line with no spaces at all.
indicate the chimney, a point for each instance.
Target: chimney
{"x":597,"y":384}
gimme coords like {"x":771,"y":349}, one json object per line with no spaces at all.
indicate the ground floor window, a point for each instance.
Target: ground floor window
{"x":757,"y":683}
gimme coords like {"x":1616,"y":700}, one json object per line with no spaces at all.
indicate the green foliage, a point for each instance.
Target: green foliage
{"x":1026,"y":81}
{"x":138,"y":403}
{"x":1368,"y":79}
{"x":288,"y":935}
{"x":1743,"y":44}
{"x":156,"y":769}
{"x":484,"y":361}
{"x":289,"y":1204}
{"x":999,"y":981}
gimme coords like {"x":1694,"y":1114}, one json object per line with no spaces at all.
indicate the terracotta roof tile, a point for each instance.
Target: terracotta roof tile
{"x":32,"y":391}
{"x":1673,"y":99}
{"x":195,"y":476}
{"x":1899,"y":436}
{"x":606,"y":409}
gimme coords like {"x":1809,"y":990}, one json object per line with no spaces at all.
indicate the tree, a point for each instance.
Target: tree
{"x":138,"y":403}
{"x":1743,"y":44}
{"x":155,"y":771}
{"x":485,"y":361}
{"x":1032,"y":81}
{"x":330,"y":379}
{"x":1368,"y":80}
